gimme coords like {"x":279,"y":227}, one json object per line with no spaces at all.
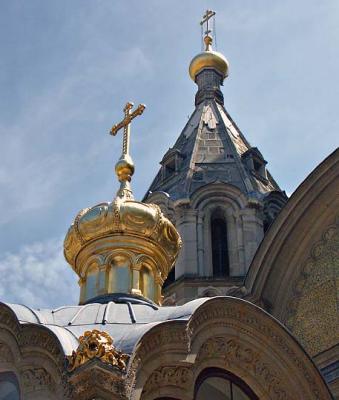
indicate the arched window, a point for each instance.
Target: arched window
{"x":9,"y":386}
{"x":220,"y":259}
{"x":120,"y":275}
{"x":147,"y":283}
{"x":217,"y":384}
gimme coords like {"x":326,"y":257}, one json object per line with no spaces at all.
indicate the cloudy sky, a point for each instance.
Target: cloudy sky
{"x":68,"y":67}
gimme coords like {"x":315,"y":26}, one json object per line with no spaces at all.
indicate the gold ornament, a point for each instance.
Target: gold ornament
{"x":208,"y":58}
{"x":123,"y":229}
{"x":96,"y":345}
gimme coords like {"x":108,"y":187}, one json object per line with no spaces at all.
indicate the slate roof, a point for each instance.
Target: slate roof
{"x":210,"y":149}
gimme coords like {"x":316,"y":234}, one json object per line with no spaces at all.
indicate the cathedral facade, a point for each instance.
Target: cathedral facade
{"x":216,"y":286}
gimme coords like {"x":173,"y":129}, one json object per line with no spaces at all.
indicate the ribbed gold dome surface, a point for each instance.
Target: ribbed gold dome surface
{"x":132,"y":244}
{"x":124,"y":218}
{"x":208,"y":59}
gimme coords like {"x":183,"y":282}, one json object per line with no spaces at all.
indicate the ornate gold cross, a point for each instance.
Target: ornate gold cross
{"x":208,"y":15}
{"x":125,"y":123}
{"x":124,"y":168}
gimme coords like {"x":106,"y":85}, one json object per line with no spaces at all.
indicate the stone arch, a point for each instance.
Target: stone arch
{"x":225,"y":191}
{"x":292,"y":274}
{"x":234,"y":237}
{"x":242,"y":221}
{"x":35,"y":356}
{"x":166,"y":342}
{"x":312,"y":314}
{"x":230,"y":334}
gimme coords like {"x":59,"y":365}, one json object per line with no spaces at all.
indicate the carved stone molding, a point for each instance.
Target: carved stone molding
{"x":252,"y":320}
{"x":169,"y":376}
{"x":314,"y":286}
{"x":233,"y":352}
{"x":8,"y":320}
{"x":6,"y":354}
{"x":162,"y":337}
{"x":33,"y":336}
{"x":87,"y":383}
{"x":34,"y":379}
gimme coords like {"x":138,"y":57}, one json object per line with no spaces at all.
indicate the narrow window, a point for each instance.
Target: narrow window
{"x":219,"y":245}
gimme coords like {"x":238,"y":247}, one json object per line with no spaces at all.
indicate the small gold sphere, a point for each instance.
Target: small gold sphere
{"x":124,"y":168}
{"x":208,"y":59}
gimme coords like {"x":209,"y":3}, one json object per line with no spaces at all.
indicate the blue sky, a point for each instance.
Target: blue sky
{"x":68,"y":67}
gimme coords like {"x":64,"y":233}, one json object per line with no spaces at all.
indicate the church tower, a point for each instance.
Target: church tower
{"x":215,"y":187}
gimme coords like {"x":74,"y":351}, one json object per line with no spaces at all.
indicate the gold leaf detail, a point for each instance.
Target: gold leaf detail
{"x":95,"y":344}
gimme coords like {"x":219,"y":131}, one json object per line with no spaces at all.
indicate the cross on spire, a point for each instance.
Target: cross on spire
{"x":124,"y":168}
{"x":205,"y":19}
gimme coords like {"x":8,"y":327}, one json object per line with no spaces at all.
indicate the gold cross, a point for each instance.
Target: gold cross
{"x":125,"y":123}
{"x":208,"y":15}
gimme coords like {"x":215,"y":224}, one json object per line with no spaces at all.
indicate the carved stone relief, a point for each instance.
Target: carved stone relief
{"x":311,"y":311}
{"x":232,"y":352}
{"x":34,"y":379}
{"x":169,"y":376}
{"x":5,"y":353}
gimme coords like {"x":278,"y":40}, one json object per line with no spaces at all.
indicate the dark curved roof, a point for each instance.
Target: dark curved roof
{"x":125,"y":322}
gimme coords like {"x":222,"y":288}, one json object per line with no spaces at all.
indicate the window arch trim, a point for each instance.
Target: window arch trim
{"x":214,"y":372}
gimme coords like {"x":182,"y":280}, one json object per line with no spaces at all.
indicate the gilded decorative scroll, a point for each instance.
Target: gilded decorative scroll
{"x":97,"y":345}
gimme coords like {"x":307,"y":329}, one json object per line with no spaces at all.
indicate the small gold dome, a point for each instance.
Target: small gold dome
{"x":136,"y":232}
{"x":131,"y":218}
{"x":208,"y":59}
{"x":123,"y":246}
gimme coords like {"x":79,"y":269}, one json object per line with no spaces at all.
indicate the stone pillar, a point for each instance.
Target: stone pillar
{"x":186,"y":224}
{"x":82,"y":284}
{"x":253,"y":233}
{"x":200,"y":242}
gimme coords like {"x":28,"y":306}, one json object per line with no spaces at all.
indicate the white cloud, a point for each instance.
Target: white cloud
{"x":38,"y":276}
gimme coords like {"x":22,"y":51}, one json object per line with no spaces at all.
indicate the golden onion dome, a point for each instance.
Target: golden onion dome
{"x":123,"y":246}
{"x":125,"y":221}
{"x":208,"y":59}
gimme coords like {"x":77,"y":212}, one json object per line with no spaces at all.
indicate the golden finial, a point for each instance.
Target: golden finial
{"x":208,"y":58}
{"x":205,"y":20}
{"x":124,"y":168}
